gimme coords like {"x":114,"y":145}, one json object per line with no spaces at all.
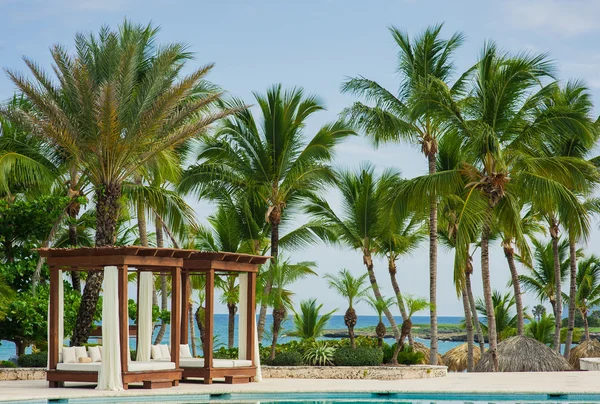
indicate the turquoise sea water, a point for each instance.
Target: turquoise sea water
{"x":7,"y":349}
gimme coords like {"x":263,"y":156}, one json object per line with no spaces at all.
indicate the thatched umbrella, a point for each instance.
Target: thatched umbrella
{"x":418,"y":347}
{"x":524,"y":354}
{"x":587,"y":349}
{"x":456,"y":359}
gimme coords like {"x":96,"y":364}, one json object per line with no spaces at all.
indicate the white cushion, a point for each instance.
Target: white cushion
{"x":164,"y":352}
{"x":155,"y":352}
{"x":79,"y":367}
{"x":100,"y":348}
{"x":69,"y":355}
{"x":80,"y":352}
{"x":184,"y":351}
{"x":94,"y":353}
{"x":217,"y":363}
{"x":133,"y":366}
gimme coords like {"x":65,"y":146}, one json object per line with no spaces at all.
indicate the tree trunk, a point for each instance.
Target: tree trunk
{"x":192,"y":330}
{"x":585,"y":324}
{"x":164,"y":298}
{"x":231,"y":324}
{"x":20,"y":346}
{"x":107,"y":214}
{"x":368,"y":261}
{"x":572,"y":294}
{"x":278,"y":315}
{"x":274,"y":220}
{"x":393,"y":271}
{"x":509,"y":253}
{"x":200,"y":323}
{"x":469,"y":328}
{"x":487,"y":292}
{"x":350,"y":321}
{"x":75,"y":278}
{"x":433,"y":267}
{"x":475,"y":317}
{"x":557,"y":285}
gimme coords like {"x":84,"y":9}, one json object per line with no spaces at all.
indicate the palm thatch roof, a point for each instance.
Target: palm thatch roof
{"x":418,"y":347}
{"x":524,"y":354}
{"x":456,"y":359}
{"x":587,"y":349}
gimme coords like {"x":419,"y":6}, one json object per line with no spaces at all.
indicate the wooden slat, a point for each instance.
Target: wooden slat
{"x":53,"y":325}
{"x":185,"y":306}
{"x":175,"y":315}
{"x":116,"y":260}
{"x":209,"y":318}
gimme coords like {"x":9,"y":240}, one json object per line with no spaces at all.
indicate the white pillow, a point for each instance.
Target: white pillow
{"x":94,"y":352}
{"x":184,"y":351}
{"x":155,"y":352}
{"x":69,"y":355}
{"x":100,"y":348}
{"x":80,"y":352}
{"x":164,"y":352}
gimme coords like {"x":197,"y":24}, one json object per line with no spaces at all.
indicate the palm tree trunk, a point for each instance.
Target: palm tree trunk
{"x":474,"y":315}
{"x":164,"y":299}
{"x":274,"y":219}
{"x":200,"y":323}
{"x":368,"y":261}
{"x":107,"y":213}
{"x":433,"y":350}
{"x":278,"y":315}
{"x":469,"y":327}
{"x":487,"y":291}
{"x":572,"y":293}
{"x":192,"y":329}
{"x":350,"y":321}
{"x":75,"y":278}
{"x":557,"y":285}
{"x":509,"y":253}
{"x":399,"y":299}
{"x":231,"y":324}
{"x":585,"y":324}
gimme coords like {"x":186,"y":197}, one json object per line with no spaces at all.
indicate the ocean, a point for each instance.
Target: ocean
{"x":7,"y":349}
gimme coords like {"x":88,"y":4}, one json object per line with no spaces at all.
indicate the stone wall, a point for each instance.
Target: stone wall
{"x":348,"y":372}
{"x":22,"y":374}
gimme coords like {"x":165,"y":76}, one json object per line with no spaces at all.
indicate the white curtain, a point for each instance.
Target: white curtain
{"x":258,"y":377}
{"x":61,"y":317}
{"x":243,"y":316}
{"x":109,"y":376}
{"x":144,"y":321}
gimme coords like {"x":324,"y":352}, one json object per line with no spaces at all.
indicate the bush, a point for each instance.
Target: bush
{"x":37,"y":360}
{"x":290,"y":358}
{"x":225,"y":353}
{"x":361,"y":356}
{"x":7,"y":364}
{"x":408,"y":356}
{"x":319,"y":354}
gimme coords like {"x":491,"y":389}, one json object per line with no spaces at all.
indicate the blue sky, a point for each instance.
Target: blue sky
{"x":316,"y":44}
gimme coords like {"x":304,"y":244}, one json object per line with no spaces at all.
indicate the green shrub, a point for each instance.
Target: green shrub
{"x":407,"y":356}
{"x":225,"y":353}
{"x":7,"y":364}
{"x":290,"y":358}
{"x":36,"y":360}
{"x":361,"y":356}
{"x":319,"y":354}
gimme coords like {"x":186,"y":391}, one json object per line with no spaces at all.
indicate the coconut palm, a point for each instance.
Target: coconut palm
{"x":309,"y":323}
{"x":352,"y":289}
{"x":588,"y":288}
{"x":109,"y":122}
{"x":380,"y":305}
{"x":363,"y":199}
{"x":413,"y":305}
{"x":392,"y":118}
{"x":268,"y":159}
{"x":230,"y":296}
{"x":506,"y":319}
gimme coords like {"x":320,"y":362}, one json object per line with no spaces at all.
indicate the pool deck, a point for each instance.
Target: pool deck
{"x":523,"y":383}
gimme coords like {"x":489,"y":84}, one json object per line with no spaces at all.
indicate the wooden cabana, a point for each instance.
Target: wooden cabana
{"x":166,"y":261}
{"x":209,"y":264}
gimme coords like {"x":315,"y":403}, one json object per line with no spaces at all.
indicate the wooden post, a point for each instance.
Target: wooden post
{"x":175,"y":316}
{"x":185,"y":306}
{"x":53,"y":324}
{"x":208,"y":322}
{"x":123,"y":320}
{"x":251,"y":312}
{"x":137,"y":315}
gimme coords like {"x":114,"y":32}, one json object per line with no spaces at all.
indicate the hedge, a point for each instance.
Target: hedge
{"x":359,"y":356}
{"x":36,"y":360}
{"x":290,"y":358}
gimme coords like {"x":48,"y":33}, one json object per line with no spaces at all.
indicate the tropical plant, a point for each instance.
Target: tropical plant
{"x":124,"y":93}
{"x":506,"y":318}
{"x":588,"y":288}
{"x":353,"y":289}
{"x":267,"y":159}
{"x":538,"y":311}
{"x":394,"y":118}
{"x":310,"y":323}
{"x":542,"y":329}
{"x":380,"y":305}
{"x":319,"y":354}
{"x":6,"y":296}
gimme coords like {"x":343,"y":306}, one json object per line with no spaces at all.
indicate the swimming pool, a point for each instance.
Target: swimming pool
{"x":334,"y":398}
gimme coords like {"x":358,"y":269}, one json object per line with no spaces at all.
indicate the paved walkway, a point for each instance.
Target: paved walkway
{"x":545,"y":383}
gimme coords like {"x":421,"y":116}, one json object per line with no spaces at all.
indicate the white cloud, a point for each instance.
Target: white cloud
{"x":565,"y":17}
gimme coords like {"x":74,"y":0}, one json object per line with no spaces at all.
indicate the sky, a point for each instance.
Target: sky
{"x":317,"y":45}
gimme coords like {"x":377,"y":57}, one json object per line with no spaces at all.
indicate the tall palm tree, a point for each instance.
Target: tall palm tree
{"x":363,"y":199}
{"x":352,"y":289}
{"x":392,"y":118}
{"x":117,"y":104}
{"x":230,"y":296}
{"x":588,"y":288}
{"x":268,"y":159}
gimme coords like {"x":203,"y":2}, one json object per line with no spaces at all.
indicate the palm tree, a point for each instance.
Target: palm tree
{"x":352,"y":289}
{"x":538,"y":311}
{"x":392,"y":118}
{"x":309,"y":323}
{"x":268,"y":159}
{"x":230,"y":296}
{"x":542,"y":328}
{"x":588,"y":288}
{"x":380,"y":305}
{"x":506,"y":321}
{"x":363,"y":199}
{"x":413,"y":305}
{"x":132,"y":117}
{"x":283,"y":275}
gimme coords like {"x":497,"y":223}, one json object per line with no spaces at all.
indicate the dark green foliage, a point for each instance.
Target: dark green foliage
{"x":361,"y":356}
{"x":226,"y":353}
{"x":7,"y":364}
{"x":133,"y":354}
{"x":36,"y":360}
{"x":157,"y":313}
{"x":290,"y":358}
{"x":407,"y":356}
{"x":593,"y":319}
